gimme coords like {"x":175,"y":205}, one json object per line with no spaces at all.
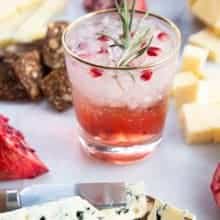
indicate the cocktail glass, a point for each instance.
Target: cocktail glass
{"x":121,"y":111}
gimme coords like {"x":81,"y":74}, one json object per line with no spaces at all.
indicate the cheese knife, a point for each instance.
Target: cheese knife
{"x":101,"y":195}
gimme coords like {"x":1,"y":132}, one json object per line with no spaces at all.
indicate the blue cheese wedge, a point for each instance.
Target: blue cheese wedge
{"x":67,"y":209}
{"x":136,"y":205}
{"x":20,"y":214}
{"x":163,"y":211}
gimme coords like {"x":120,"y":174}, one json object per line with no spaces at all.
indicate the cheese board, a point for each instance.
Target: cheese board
{"x":177,"y":172}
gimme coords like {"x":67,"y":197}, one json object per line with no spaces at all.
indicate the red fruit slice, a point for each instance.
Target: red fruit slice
{"x":17,"y":159}
{"x":215,"y":185}
{"x":153,"y":51}
{"x":95,"y":72}
{"x":146,"y":75}
{"x":162,"y":36}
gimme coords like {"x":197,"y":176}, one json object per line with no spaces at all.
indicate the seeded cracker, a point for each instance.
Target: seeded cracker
{"x":53,"y":52}
{"x":56,"y":87}
{"x":28,"y":70}
{"x":10,"y":88}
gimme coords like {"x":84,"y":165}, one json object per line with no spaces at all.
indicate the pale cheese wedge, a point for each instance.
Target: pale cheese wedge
{"x":185,"y":88}
{"x":206,"y":38}
{"x":207,"y":10}
{"x":36,"y":26}
{"x":193,"y":60}
{"x":196,"y":123}
{"x":15,"y":13}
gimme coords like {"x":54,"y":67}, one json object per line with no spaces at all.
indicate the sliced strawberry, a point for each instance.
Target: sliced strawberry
{"x":17,"y":159}
{"x":215,"y":185}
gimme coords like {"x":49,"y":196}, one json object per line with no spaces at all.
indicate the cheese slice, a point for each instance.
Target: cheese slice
{"x":207,"y":39}
{"x":194,"y":59}
{"x":36,"y":26}
{"x":185,"y":88}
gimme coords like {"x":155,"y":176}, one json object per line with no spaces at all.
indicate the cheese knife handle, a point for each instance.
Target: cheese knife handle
{"x":9,"y":200}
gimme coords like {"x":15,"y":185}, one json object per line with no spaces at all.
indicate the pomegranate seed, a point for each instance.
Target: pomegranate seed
{"x":146,"y":75}
{"x":95,"y":72}
{"x":103,"y":50}
{"x":153,"y":51}
{"x":162,"y":36}
{"x":103,"y":38}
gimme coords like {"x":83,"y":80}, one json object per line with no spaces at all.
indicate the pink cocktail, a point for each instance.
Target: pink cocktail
{"x":121,"y":109}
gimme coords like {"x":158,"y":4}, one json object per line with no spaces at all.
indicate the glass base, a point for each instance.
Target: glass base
{"x":119,"y":154}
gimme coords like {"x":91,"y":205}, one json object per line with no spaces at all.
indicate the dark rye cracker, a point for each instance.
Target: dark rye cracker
{"x":53,"y":52}
{"x":57,"y":88}
{"x":28,"y":70}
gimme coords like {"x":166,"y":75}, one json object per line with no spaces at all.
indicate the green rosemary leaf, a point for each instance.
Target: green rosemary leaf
{"x":132,"y":14}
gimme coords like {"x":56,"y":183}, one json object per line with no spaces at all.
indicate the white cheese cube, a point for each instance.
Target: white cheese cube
{"x":185,"y":88}
{"x":196,"y":124}
{"x":194,"y":59}
{"x":207,"y":39}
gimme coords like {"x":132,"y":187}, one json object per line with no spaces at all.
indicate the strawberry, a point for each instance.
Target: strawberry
{"x":17,"y":159}
{"x":215,"y":185}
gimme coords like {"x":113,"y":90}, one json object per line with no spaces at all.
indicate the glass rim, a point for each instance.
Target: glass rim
{"x":148,"y":66}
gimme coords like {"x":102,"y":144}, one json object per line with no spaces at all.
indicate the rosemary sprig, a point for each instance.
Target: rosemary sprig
{"x":132,"y":45}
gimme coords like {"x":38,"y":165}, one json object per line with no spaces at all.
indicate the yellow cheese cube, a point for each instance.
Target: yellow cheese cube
{"x":185,"y":88}
{"x":207,"y":10}
{"x":208,"y":92}
{"x":209,"y":40}
{"x":196,"y":123}
{"x":193,"y":60}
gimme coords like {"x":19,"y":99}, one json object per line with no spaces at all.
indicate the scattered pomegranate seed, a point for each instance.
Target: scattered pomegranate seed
{"x":103,"y":38}
{"x":146,"y":75}
{"x":95,"y":72}
{"x":153,"y":51}
{"x":162,"y":36}
{"x":103,"y":50}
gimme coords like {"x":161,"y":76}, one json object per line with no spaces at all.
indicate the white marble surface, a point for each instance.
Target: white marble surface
{"x":176,"y":172}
